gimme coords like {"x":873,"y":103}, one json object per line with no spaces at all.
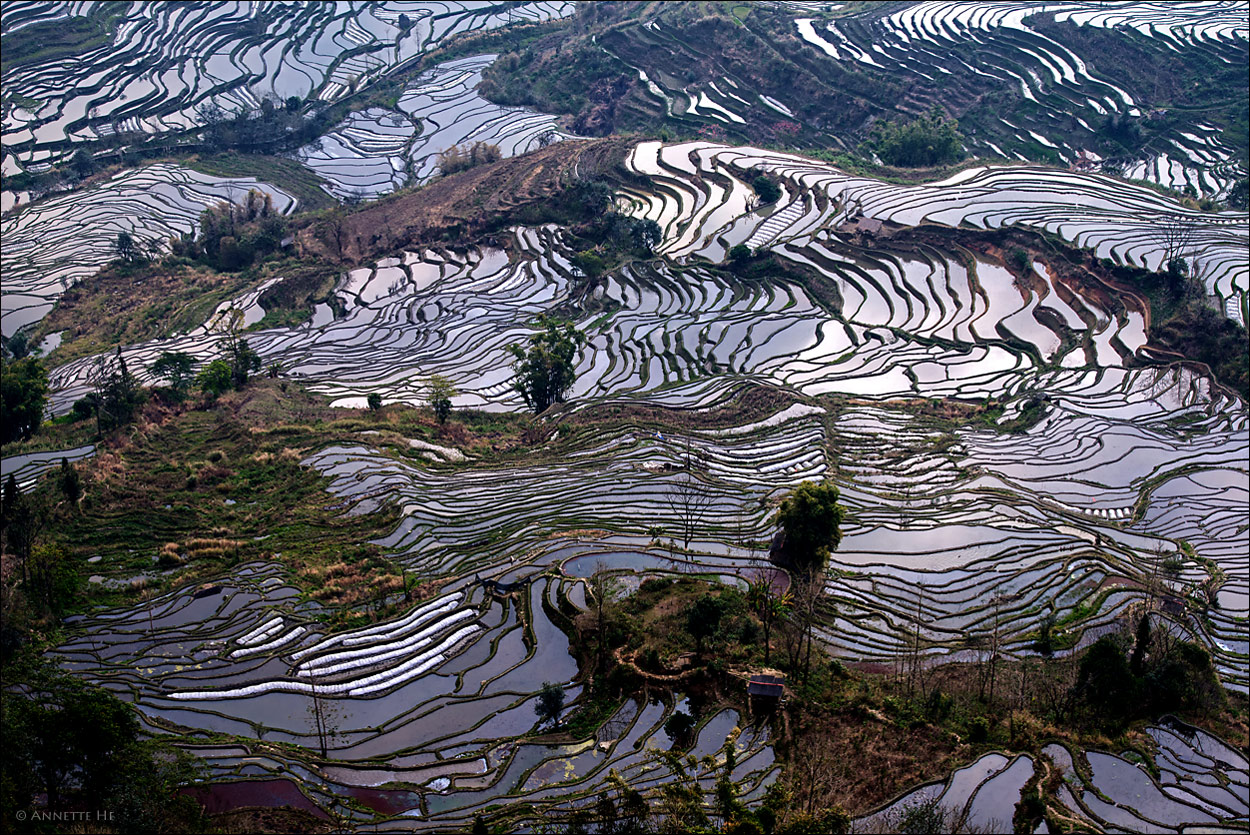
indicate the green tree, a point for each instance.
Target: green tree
{"x":647,"y":235}
{"x":79,"y":745}
{"x":739,"y":254}
{"x":439,"y":397}
{"x":243,"y":362}
{"x":374,"y":401}
{"x":550,"y":703}
{"x":214,"y":378}
{"x":82,"y":163}
{"x":17,"y":346}
{"x":766,"y":189}
{"x":679,"y":727}
{"x":811,"y":527}
{"x":1105,"y":682}
{"x":175,"y":368}
{"x":931,"y":139}
{"x":590,"y":264}
{"x":26,"y":518}
{"x":545,"y":372}
{"x":54,"y":578}
{"x":23,"y":392}
{"x":704,"y":617}
{"x":117,"y":394}
{"x":126,"y":248}
{"x":69,"y":482}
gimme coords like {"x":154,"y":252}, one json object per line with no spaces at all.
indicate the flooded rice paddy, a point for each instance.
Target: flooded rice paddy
{"x":949,"y":533}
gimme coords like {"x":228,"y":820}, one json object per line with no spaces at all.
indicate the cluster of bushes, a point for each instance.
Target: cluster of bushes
{"x":587,"y":208}
{"x":271,"y":128}
{"x":929,"y":140}
{"x":1156,"y":673}
{"x":233,"y":236}
{"x":79,"y":747}
{"x":1204,"y":334}
{"x":457,"y":158}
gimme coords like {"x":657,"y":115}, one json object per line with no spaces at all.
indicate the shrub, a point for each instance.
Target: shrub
{"x":215,"y":378}
{"x":439,"y":398}
{"x":679,"y":727}
{"x":766,"y":189}
{"x":978,"y":729}
{"x":929,"y":140}
{"x":545,"y":371}
{"x":590,"y":264}
{"x":457,"y":158}
{"x":1020,"y":260}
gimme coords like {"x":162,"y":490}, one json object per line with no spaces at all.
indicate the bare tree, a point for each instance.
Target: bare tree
{"x":1175,"y":235}
{"x":995,"y":644}
{"x":325,"y":715}
{"x":915,"y":672}
{"x":798,"y":633}
{"x":688,"y":498}
{"x":602,"y":588}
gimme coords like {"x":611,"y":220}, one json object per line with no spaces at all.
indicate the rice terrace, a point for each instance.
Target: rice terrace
{"x":612,"y":417}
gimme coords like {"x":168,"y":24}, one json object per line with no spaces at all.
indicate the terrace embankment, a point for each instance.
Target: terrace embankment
{"x":461,"y":207}
{"x":1181,"y":325}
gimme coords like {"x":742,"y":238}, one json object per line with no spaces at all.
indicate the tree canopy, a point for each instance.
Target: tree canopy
{"x":931,"y":139}
{"x":545,"y":371}
{"x":23,"y":392}
{"x":811,"y":524}
{"x":440,"y":395}
{"x":79,"y":744}
{"x":550,"y":702}
{"x":175,"y":368}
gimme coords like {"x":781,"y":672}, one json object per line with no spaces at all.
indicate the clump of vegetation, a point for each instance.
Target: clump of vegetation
{"x":566,"y":72}
{"x":929,"y":140}
{"x":272,"y":127}
{"x":1199,"y":332}
{"x":79,"y":745}
{"x":545,"y":370}
{"x":670,"y":626}
{"x":439,"y":397}
{"x":456,"y":158}
{"x":1157,"y":673}
{"x":233,"y":236}
{"x":23,"y":392}
{"x":765,"y":189}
